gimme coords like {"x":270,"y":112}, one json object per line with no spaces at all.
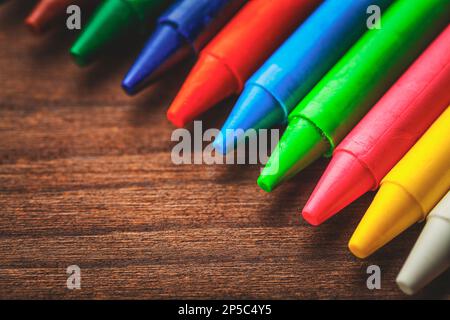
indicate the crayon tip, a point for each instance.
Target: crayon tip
{"x":78,"y":56}
{"x":428,"y":258}
{"x":255,"y":109}
{"x":405,"y":287}
{"x":392,"y":211}
{"x":163,"y":46}
{"x":209,"y":82}
{"x":301,"y":144}
{"x":111,"y":20}
{"x":344,"y":180}
{"x":267,"y":183}
{"x":223,"y":144}
{"x":33,"y":25}
{"x":42,"y":16}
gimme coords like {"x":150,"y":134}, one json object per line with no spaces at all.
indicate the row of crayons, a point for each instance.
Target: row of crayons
{"x":377,"y":100}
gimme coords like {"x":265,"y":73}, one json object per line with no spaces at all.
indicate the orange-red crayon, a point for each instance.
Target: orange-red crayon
{"x":235,"y":54}
{"x":47,"y":12}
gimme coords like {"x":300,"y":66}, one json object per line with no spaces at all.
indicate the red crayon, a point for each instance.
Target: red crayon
{"x":235,"y":54}
{"x":387,"y":132}
{"x":47,"y":12}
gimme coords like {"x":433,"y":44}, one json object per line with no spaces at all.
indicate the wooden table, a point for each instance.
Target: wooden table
{"x":86,"y":179}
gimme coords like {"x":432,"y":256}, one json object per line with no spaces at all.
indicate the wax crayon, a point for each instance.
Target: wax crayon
{"x":386,"y":133}
{"x":431,"y":254}
{"x":112,"y":20}
{"x":235,"y":53}
{"x":293,"y":70}
{"x":408,"y":192}
{"x":353,"y":86}
{"x":182,"y":31}
{"x":48,"y":12}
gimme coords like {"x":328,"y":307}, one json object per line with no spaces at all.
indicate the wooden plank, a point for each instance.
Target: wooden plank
{"x":86,"y":179}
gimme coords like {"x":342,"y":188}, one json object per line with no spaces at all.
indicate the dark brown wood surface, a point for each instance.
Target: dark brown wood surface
{"x":86,"y":179}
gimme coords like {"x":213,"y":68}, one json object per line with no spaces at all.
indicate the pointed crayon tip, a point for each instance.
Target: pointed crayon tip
{"x":79,"y":57}
{"x":428,"y":258}
{"x":129,"y":86}
{"x":209,"y":82}
{"x":163,"y":47}
{"x":176,"y":119}
{"x":34,"y":25}
{"x":110,"y":21}
{"x":267,"y":182}
{"x":34,"y":22}
{"x":220,"y":143}
{"x":43,"y":14}
{"x":344,"y":180}
{"x":255,"y":109}
{"x":430,"y":255}
{"x":359,"y":249}
{"x":301,"y":144}
{"x":392,"y":211}
{"x":224,"y":142}
{"x":405,"y":287}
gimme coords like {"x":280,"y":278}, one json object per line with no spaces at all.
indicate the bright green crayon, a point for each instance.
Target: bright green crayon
{"x":112,"y":20}
{"x":353,"y":86}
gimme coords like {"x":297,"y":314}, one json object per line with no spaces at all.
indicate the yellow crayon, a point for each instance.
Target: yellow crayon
{"x":408,"y":192}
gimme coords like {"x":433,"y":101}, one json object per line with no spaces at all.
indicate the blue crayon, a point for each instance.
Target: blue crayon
{"x":296,"y":67}
{"x":181,"y":32}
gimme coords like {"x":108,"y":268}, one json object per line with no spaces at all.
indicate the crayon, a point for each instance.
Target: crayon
{"x":408,"y":192}
{"x":235,"y":53}
{"x":112,"y":20}
{"x":293,"y":70}
{"x":47,"y":12}
{"x":430,"y":255}
{"x":353,"y":85}
{"x":385,"y":134}
{"x":182,"y":31}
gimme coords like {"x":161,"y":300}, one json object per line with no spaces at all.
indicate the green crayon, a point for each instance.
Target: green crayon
{"x":353,"y":86}
{"x":112,"y":20}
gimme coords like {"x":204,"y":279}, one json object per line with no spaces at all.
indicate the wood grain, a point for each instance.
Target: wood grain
{"x":86,"y":178}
